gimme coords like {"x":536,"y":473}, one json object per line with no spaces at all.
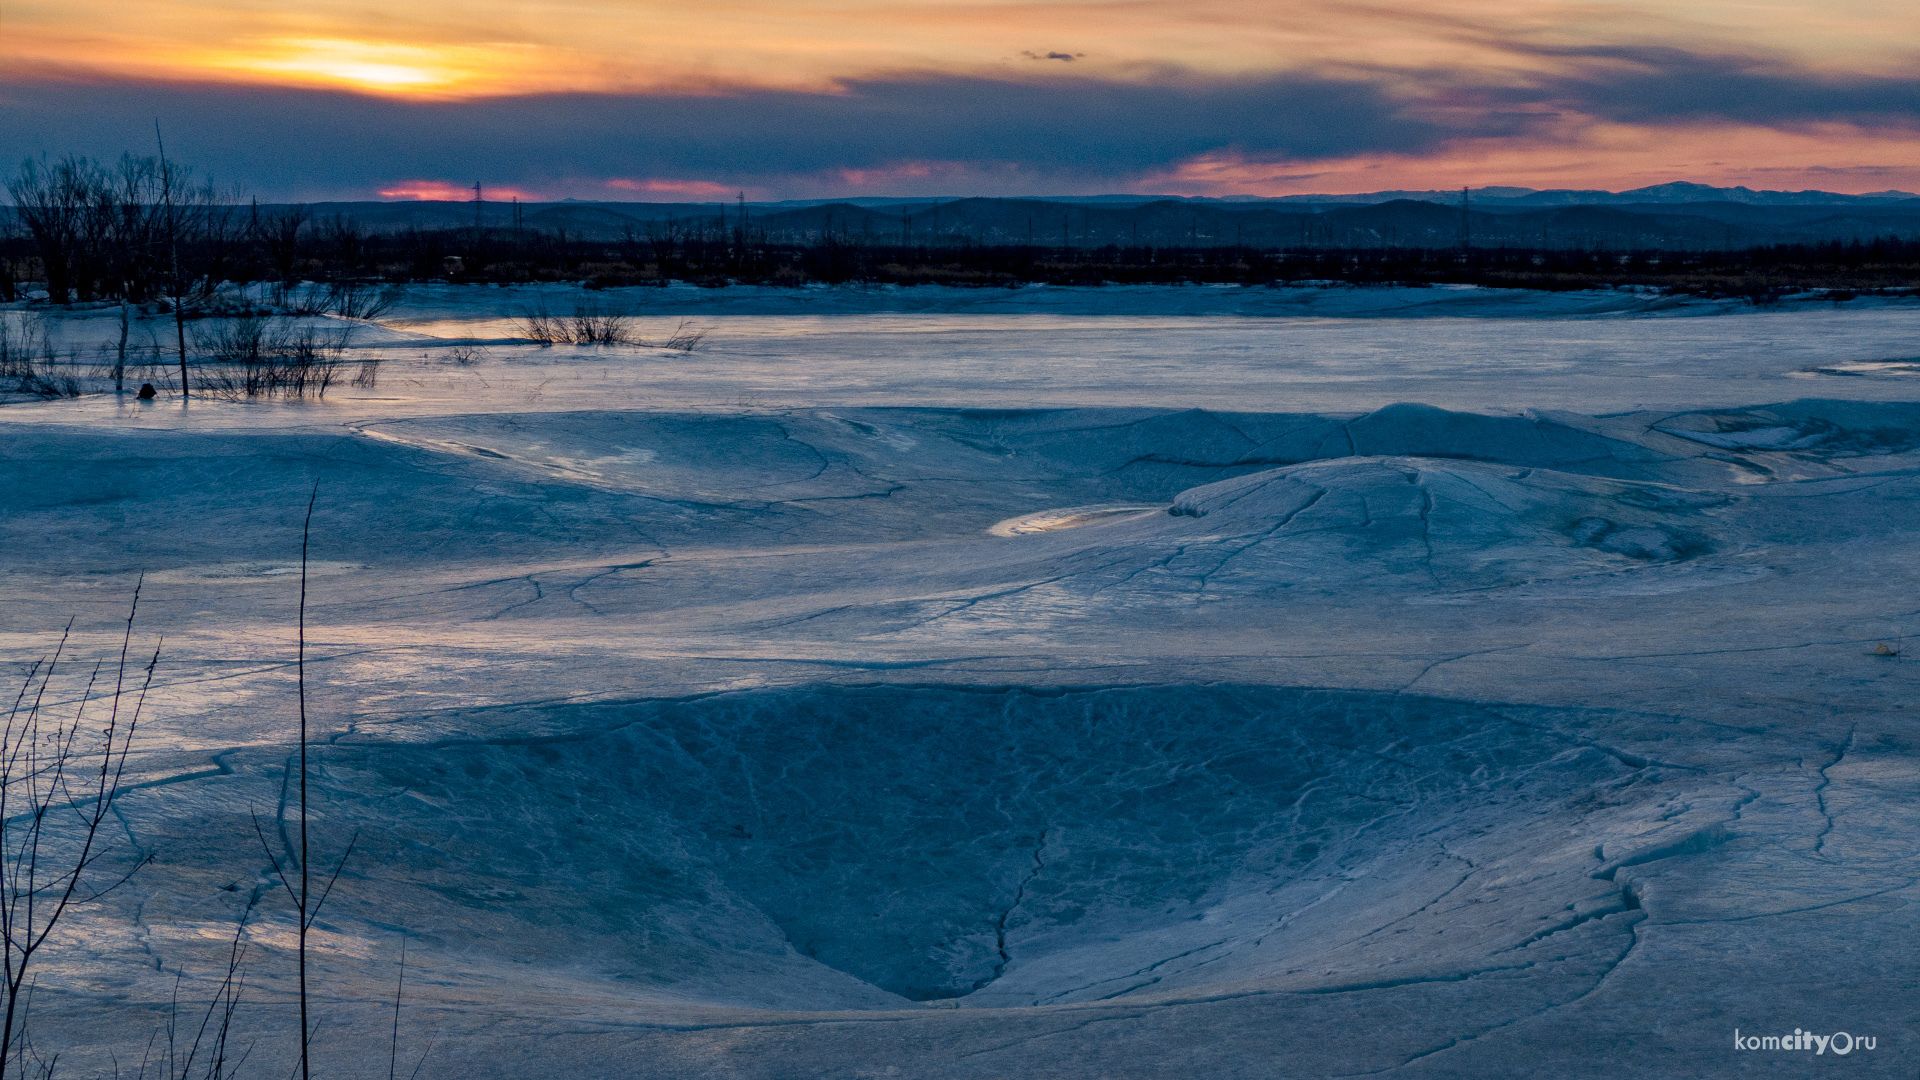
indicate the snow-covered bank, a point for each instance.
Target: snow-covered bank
{"x":1310,"y":300}
{"x":690,"y":735}
{"x":436,"y":304}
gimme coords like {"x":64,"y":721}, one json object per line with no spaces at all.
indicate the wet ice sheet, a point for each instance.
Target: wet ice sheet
{"x":1592,"y":355}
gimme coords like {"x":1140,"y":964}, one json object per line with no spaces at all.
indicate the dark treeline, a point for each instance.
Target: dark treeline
{"x":1398,"y":223}
{"x":1165,"y":223}
{"x":143,"y":231}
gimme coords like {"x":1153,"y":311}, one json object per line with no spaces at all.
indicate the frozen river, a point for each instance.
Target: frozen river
{"x":1023,"y":683}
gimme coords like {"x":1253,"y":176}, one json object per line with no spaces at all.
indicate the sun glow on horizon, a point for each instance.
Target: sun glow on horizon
{"x":447,"y":191}
{"x":373,"y":66}
{"x":352,"y":62}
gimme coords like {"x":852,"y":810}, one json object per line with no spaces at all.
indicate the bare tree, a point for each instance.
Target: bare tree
{"x":131,"y":199}
{"x":196,"y":216}
{"x":130,"y":203}
{"x":59,"y":780}
{"x":51,"y":201}
{"x":279,"y":232}
{"x":176,"y":204}
{"x":348,"y":242}
{"x":10,"y":231}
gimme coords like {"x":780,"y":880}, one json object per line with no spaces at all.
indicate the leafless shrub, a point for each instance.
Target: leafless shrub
{"x":254,"y":357}
{"x":209,"y":1054}
{"x":592,"y":326}
{"x":29,"y":365}
{"x":305,"y":302}
{"x":686,"y":337}
{"x":49,"y":384}
{"x":367,"y":376}
{"x":535,"y":324}
{"x":60,"y":778}
{"x":466,"y":355}
{"x":239,"y":340}
{"x":22,"y":342}
{"x":358,"y":300}
{"x":588,"y":325}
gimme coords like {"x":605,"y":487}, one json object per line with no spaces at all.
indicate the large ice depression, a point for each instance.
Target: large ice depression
{"x":835,"y":847}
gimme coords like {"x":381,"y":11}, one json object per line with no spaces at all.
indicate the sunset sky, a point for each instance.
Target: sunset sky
{"x":658,"y":101}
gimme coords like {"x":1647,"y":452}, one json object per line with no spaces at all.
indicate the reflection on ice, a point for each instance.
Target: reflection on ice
{"x":1071,"y":517}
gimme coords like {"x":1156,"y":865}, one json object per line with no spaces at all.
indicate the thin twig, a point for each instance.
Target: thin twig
{"x":337,"y":867}
{"x":393,"y":1045}
{"x":306,"y":533}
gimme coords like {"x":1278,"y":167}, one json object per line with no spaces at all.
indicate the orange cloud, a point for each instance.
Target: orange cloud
{"x":872,"y":96}
{"x":443,"y":191}
{"x":1831,"y":157}
{"x":675,"y":187}
{"x":438,"y":48}
{"x":910,"y":170}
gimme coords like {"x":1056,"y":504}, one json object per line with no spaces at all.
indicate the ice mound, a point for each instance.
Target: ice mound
{"x":1409,"y":430}
{"x":1142,"y":447}
{"x":1830,"y":428}
{"x":1447,"y":523}
{"x":451,"y":488}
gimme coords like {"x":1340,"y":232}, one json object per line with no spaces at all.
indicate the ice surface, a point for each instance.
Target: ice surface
{"x":1483,"y":351}
{"x":908,"y":686}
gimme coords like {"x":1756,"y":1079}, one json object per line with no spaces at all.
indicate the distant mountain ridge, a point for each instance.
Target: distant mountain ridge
{"x":1678,"y":191}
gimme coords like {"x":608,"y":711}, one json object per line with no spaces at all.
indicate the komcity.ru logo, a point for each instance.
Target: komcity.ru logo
{"x":1839,"y":1042}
